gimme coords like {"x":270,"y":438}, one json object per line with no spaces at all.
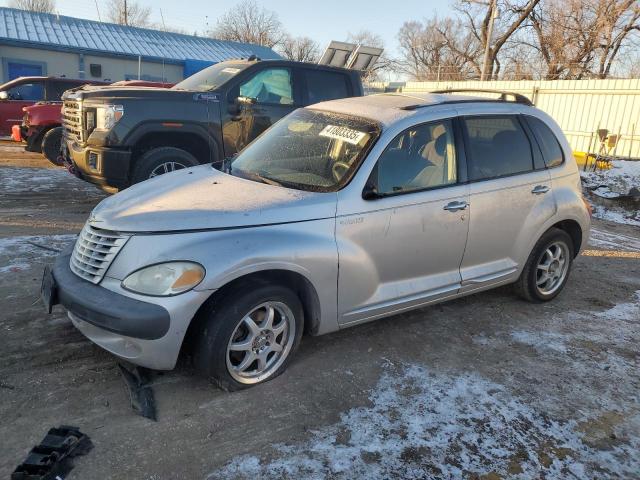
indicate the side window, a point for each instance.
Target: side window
{"x":56,"y":89}
{"x":497,"y":146}
{"x":272,"y":85}
{"x":27,"y":91}
{"x":419,"y":158}
{"x":322,"y":86}
{"x":548,"y":142}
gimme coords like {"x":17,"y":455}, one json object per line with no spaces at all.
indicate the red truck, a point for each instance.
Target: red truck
{"x":41,"y":123}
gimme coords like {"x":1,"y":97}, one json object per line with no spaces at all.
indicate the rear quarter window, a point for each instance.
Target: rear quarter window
{"x":323,"y":86}
{"x":548,"y":142}
{"x":497,"y":146}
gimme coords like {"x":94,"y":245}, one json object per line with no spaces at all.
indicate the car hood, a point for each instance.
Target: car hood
{"x":201,"y":198}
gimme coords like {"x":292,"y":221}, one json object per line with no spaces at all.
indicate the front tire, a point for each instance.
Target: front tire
{"x":547,"y":269}
{"x":248,"y":337}
{"x":51,"y":142}
{"x":161,"y":160}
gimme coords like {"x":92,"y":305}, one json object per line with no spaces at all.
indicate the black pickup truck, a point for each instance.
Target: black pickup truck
{"x":115,"y":137}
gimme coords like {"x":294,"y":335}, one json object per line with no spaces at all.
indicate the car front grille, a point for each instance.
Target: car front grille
{"x":94,"y":251}
{"x":72,"y":120}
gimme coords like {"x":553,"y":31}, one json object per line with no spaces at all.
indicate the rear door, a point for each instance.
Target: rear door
{"x":403,"y":248}
{"x":263,"y":98}
{"x":510,"y":198}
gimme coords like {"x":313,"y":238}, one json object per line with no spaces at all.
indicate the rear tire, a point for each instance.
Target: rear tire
{"x":224,"y":343}
{"x":547,"y":269}
{"x":161,"y":160}
{"x":51,"y":142}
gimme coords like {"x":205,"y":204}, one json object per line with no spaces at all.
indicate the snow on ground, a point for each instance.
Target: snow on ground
{"x":20,"y":180}
{"x":616,"y":241}
{"x":428,"y":424}
{"x":612,"y":183}
{"x":19,"y":253}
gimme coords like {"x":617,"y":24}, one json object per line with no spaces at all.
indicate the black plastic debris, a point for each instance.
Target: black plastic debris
{"x":140,"y":391}
{"x":52,"y":458}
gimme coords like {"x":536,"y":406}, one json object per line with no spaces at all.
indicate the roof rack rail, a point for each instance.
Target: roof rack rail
{"x":517,"y":97}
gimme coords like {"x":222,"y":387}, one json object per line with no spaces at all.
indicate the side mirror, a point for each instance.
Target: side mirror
{"x":4,"y":95}
{"x":237,"y":106}
{"x":370,"y":192}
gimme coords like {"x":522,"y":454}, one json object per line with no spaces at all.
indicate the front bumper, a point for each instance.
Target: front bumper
{"x":146,"y":331}
{"x":103,"y":166}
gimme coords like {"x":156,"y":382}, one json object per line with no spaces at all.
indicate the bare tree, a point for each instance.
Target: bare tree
{"x":130,"y":13}
{"x":42,"y":6}
{"x":438,"y":49}
{"x":247,"y":22}
{"x":477,"y":18}
{"x":300,"y":49}
{"x":582,"y":38}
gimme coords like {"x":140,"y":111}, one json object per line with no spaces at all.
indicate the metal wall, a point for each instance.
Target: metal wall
{"x":579,"y":106}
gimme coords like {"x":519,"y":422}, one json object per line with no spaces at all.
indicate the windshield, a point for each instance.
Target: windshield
{"x":211,"y":77}
{"x":308,"y":150}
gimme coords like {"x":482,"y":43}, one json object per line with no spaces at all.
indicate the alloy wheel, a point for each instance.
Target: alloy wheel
{"x":552,"y":268}
{"x":261,"y":342}
{"x":166,"y":167}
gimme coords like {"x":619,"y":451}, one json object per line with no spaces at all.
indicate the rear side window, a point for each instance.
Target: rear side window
{"x":323,"y":86}
{"x":497,"y":147}
{"x":56,"y":89}
{"x":548,"y":142}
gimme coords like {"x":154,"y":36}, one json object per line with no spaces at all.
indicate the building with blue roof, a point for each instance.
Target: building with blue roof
{"x":47,"y":44}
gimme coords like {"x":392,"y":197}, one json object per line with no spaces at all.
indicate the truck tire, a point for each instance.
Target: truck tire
{"x":51,"y":141}
{"x":161,"y":160}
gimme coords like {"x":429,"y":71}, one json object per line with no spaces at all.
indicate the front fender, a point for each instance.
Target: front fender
{"x":306,"y":248}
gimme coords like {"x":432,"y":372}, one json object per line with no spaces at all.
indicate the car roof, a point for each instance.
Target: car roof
{"x":388,"y":108}
{"x":288,"y":63}
{"x":41,"y":77}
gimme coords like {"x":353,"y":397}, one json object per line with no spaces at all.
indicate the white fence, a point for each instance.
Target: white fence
{"x":581,"y":107}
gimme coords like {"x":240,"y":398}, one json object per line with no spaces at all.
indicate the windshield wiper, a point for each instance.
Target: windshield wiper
{"x":256,"y":177}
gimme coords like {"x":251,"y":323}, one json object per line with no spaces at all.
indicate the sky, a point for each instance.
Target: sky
{"x":324,"y":20}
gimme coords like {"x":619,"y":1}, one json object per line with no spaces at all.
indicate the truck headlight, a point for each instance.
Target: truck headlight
{"x":165,"y":279}
{"x":108,"y":115}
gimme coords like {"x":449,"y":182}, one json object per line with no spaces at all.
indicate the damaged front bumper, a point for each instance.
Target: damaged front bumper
{"x":143,"y":333}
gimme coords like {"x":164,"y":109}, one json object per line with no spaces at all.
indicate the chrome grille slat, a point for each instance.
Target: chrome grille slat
{"x":72,"y":120}
{"x":94,"y":251}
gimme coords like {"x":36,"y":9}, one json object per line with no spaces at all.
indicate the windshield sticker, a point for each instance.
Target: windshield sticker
{"x":342,"y":133}
{"x":206,"y":97}
{"x":230,"y":70}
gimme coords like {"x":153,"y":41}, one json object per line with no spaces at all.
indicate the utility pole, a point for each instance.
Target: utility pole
{"x":486,"y":68}
{"x":126,"y":16}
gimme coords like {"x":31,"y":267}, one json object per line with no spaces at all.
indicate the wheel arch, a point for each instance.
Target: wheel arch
{"x":574,"y":230}
{"x":298,"y":283}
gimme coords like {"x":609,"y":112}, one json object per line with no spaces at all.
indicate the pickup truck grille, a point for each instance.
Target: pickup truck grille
{"x":94,"y":251}
{"x":72,"y":120}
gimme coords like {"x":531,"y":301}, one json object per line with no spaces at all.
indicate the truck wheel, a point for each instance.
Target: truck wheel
{"x":51,"y":141}
{"x":161,"y":160}
{"x":249,"y":336}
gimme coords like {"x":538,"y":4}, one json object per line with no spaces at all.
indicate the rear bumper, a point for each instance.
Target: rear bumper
{"x":106,"y":167}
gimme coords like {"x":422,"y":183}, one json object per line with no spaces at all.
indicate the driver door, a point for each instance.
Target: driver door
{"x":255,"y":104}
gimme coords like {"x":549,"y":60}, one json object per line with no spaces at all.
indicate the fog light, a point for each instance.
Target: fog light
{"x":93,"y":161}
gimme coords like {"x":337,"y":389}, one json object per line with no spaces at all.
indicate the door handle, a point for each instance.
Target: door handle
{"x":540,"y":189}
{"x":455,"y":206}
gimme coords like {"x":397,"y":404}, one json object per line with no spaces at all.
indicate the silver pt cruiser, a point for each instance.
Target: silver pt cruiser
{"x":341,"y":213}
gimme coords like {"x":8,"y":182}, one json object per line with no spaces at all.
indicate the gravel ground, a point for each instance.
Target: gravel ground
{"x":483,"y":387}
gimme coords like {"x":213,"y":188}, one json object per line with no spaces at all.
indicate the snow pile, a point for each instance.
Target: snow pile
{"x":426,"y":424}
{"x":610,"y":184}
{"x":22,"y":180}
{"x":18,"y":253}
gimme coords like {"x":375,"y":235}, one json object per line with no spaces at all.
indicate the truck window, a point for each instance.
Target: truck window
{"x":272,"y":85}
{"x":322,"y":85}
{"x":27,"y":91}
{"x":56,"y":89}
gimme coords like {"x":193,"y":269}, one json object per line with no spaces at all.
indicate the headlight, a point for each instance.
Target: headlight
{"x":165,"y":279}
{"x":107,"y":116}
